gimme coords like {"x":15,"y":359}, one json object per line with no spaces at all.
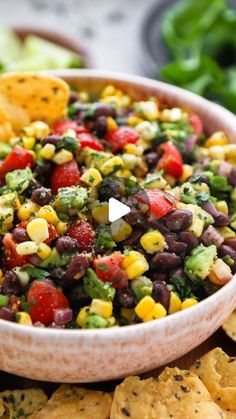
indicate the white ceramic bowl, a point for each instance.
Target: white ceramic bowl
{"x":95,"y":355}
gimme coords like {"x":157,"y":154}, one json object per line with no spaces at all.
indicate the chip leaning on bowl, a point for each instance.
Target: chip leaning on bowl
{"x":64,"y":155}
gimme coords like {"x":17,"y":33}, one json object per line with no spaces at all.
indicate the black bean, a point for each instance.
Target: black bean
{"x":178,"y":220}
{"x":109,"y":189}
{"x":125,"y":298}
{"x":104,"y":109}
{"x":33,"y":184}
{"x":7,"y":314}
{"x":231,"y":243}
{"x":51,"y":139}
{"x":189,"y":239}
{"x":179,"y":272}
{"x":161,"y":294}
{"x":232,"y":177}
{"x":100,"y":126}
{"x":66,"y":244}
{"x":157,"y":225}
{"x":176,"y":246}
{"x":225,"y":250}
{"x":151,"y":159}
{"x":73,"y":97}
{"x":11,"y":284}
{"x":78,"y":297}
{"x":136,"y":218}
{"x":198,"y":178}
{"x":41,"y":196}
{"x":133,"y":238}
{"x":77,"y":267}
{"x":165,"y":261}
{"x":221,"y":220}
{"x":43,"y":171}
{"x":59,"y":276}
{"x":159,"y":276}
{"x":20,"y":235}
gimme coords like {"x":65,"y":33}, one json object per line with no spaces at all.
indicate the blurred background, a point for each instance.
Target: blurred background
{"x":184,"y":42}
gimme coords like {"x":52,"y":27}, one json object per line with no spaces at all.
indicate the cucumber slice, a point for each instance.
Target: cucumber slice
{"x":10,"y":47}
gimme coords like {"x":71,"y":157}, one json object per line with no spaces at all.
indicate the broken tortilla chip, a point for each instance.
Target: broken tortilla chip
{"x":218,"y":373}
{"x":6,"y":131}
{"x":17,"y":116}
{"x":72,"y":402}
{"x":229,"y":326}
{"x":178,"y":394}
{"x":21,"y":403}
{"x":41,"y":96}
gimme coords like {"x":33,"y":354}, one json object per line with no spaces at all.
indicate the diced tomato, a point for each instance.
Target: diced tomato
{"x":196,"y":124}
{"x":171,"y":161}
{"x":43,"y":298}
{"x":59,"y":127}
{"x":12,"y":258}
{"x":82,"y":232}
{"x":159,"y":202}
{"x":122,"y":136}
{"x":53,"y":234}
{"x":89,"y":140}
{"x":18,"y":158}
{"x":67,"y":174}
{"x":109,"y":269}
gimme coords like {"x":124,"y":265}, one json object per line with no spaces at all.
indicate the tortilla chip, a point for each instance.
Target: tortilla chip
{"x":178,"y":394}
{"x":43,"y":97}
{"x":218,"y":372}
{"x":5,"y":125}
{"x":16,"y":115}
{"x":229,"y":326}
{"x":72,"y":402}
{"x":19,"y":404}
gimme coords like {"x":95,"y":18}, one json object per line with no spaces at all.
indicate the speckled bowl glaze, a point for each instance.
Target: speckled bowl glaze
{"x":95,"y":355}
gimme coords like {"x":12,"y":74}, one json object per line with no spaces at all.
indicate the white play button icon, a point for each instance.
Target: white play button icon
{"x":116,"y":210}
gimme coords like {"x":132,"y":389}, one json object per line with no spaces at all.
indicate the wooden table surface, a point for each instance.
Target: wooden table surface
{"x":8,"y":381}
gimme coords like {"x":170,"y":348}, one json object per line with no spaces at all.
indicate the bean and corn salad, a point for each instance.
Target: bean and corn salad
{"x":64,"y":265}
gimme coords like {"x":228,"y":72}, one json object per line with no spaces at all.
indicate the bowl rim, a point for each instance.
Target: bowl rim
{"x":117,"y":332}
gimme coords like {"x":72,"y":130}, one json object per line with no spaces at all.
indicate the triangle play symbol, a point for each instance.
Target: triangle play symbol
{"x":116,"y":210}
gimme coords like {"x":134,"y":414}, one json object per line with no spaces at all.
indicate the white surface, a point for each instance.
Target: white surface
{"x":110,"y":29}
{"x":116,"y":210}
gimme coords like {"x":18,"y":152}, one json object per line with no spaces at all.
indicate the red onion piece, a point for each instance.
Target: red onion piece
{"x":190,"y":143}
{"x":35,"y":260}
{"x":63,"y":315}
{"x":211,"y":209}
{"x":211,"y":236}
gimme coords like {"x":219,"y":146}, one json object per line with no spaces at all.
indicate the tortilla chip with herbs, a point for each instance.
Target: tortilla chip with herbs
{"x":19,"y":404}
{"x":218,"y":372}
{"x":177,"y":394}
{"x":229,"y":326}
{"x":72,"y":402}
{"x":43,"y":97}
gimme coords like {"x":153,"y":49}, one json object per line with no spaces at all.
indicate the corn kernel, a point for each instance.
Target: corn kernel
{"x":112,"y":165}
{"x":40,"y":129}
{"x":27,"y":210}
{"x":153,"y":241}
{"x":100,"y":213}
{"x":63,"y":156}
{"x":133,"y":149}
{"x":147,"y":130}
{"x":17,"y":203}
{"x":157,"y":312}
{"x":1,"y":277}
{"x":101,"y":307}
{"x":91,"y":177}
{"x":134,"y":120}
{"x":226,"y":232}
{"x":188,"y":302}
{"x":196,"y":227}
{"x":120,"y":230}
{"x":217,"y":152}
{"x":222,"y":206}
{"x":230,"y":151}
{"x":83,"y":313}
{"x":175,"y":303}
{"x":111,"y":124}
{"x":130,"y":160}
{"x":137,"y":268}
{"x":124,"y":173}
{"x":44,"y":251}
{"x":27,"y":248}
{"x":23,"y":318}
{"x":218,"y":138}
{"x":127,"y":313}
{"x":109,"y":90}
{"x":187,"y":172}
{"x":28,"y":142}
{"x":144,"y":307}
{"x":37,"y":230}
{"x":130,"y":258}
{"x":147,"y":109}
{"x":49,"y":214}
{"x":70,"y":133}
{"x":170,"y":179}
{"x":47,"y":151}
{"x":171,"y":115}
{"x":61,"y":227}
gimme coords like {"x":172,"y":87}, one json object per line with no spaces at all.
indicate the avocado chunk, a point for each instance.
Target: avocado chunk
{"x":55,"y":260}
{"x":71,"y":197}
{"x":19,"y":180}
{"x":198,"y":265}
{"x":5,"y":149}
{"x":142,"y":286}
{"x":94,"y":321}
{"x":96,"y":288}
